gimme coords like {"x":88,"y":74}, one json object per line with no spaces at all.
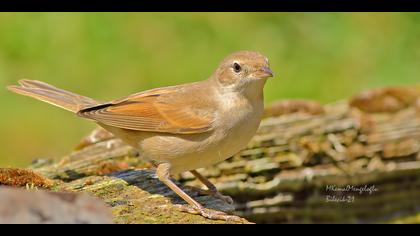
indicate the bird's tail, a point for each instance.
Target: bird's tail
{"x":52,"y":95}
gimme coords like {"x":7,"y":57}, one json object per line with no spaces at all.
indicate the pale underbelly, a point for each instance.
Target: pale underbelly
{"x":188,"y":152}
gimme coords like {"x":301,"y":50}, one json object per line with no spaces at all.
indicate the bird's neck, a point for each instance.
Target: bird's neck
{"x":252,"y":91}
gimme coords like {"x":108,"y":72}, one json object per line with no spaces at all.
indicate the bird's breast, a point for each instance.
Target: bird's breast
{"x":239,"y":121}
{"x":236,"y":123}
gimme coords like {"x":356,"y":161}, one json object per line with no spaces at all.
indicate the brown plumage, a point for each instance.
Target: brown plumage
{"x":50,"y":94}
{"x":165,"y":110}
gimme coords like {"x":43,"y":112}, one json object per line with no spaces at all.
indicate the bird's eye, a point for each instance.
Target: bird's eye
{"x":236,"y":67}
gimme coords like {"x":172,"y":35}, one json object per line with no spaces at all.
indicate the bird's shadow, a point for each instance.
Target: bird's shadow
{"x":146,"y":180}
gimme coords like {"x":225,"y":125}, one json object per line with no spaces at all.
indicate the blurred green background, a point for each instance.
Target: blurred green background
{"x":323,"y":56}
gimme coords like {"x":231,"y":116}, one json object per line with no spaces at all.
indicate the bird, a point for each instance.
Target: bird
{"x":179,"y":128}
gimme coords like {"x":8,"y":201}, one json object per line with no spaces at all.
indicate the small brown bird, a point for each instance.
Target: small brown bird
{"x":180,"y":128}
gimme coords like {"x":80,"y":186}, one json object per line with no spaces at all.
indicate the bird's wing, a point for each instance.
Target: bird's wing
{"x":159,"y":110}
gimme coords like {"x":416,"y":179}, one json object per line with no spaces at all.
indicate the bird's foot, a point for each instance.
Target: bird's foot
{"x":209,"y":214}
{"x":215,"y":194}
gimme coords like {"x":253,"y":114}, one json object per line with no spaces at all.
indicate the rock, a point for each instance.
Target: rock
{"x":19,"y":206}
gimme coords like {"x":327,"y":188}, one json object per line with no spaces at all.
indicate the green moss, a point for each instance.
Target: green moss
{"x":133,"y":200}
{"x":408,"y":219}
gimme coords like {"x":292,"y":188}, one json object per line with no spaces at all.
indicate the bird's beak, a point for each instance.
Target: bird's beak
{"x":265,"y":72}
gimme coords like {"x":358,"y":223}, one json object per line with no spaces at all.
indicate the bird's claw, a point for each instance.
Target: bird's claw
{"x":215,"y":194}
{"x":222,"y":197}
{"x":209,"y":214}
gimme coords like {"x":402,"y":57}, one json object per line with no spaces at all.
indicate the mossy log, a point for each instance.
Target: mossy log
{"x":134,"y":194}
{"x":137,"y":196}
{"x":113,"y":172}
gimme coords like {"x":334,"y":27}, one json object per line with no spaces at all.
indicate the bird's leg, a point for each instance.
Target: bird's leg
{"x":212,"y":190}
{"x":162,"y":172}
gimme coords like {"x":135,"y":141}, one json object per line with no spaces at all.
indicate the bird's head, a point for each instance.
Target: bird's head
{"x":243,"y":71}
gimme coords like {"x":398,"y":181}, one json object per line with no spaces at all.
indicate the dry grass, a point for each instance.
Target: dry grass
{"x":17,"y":177}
